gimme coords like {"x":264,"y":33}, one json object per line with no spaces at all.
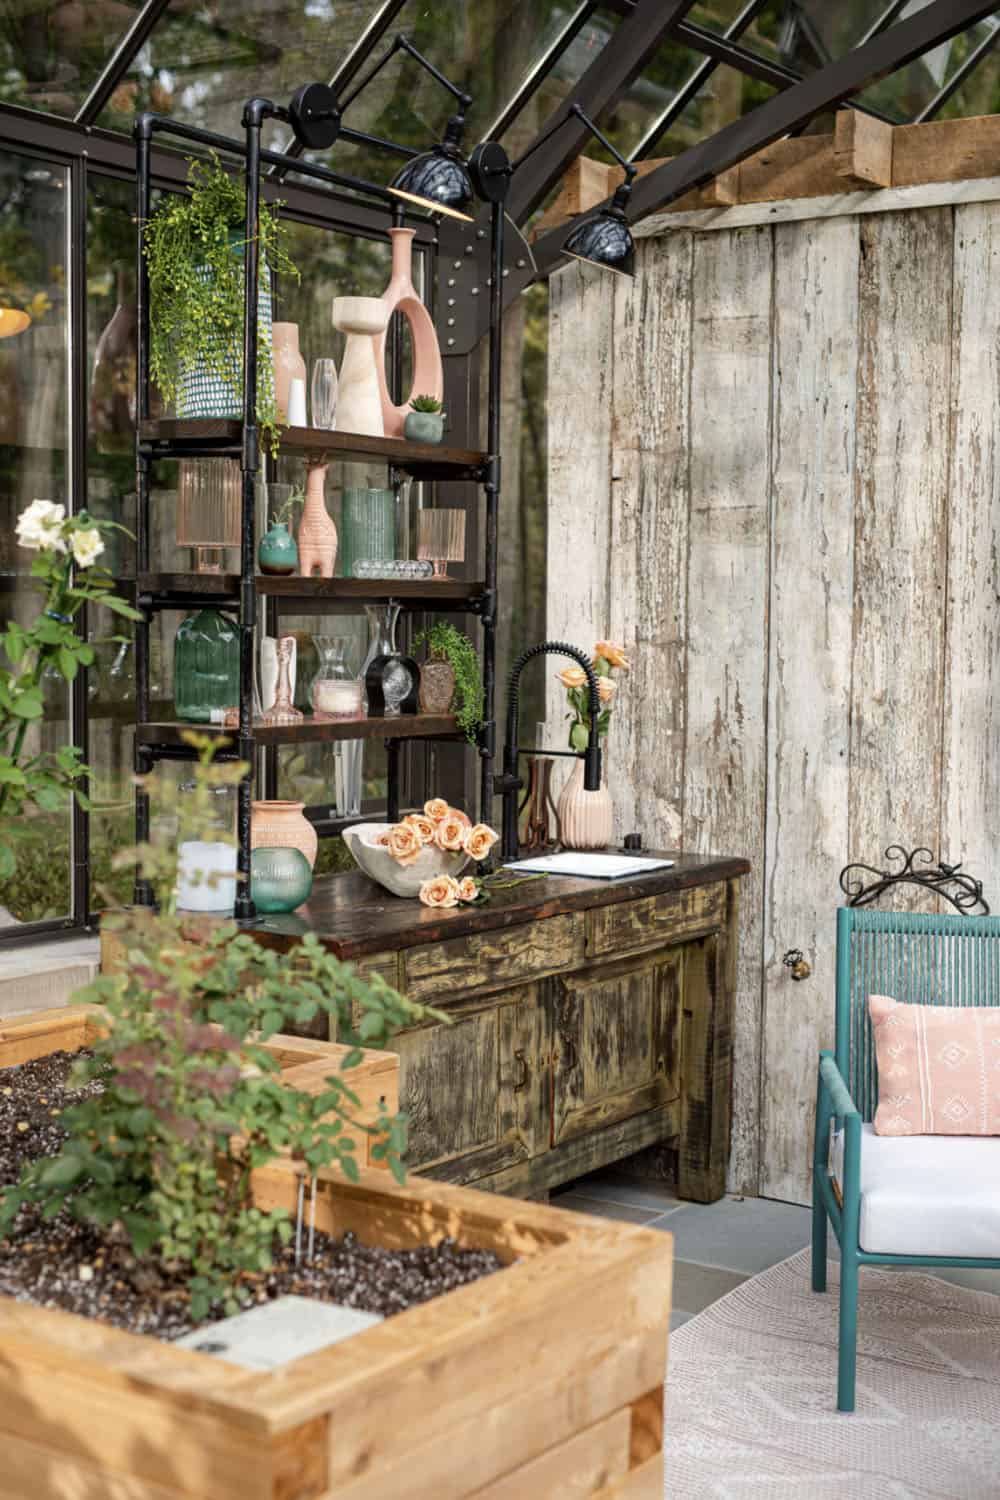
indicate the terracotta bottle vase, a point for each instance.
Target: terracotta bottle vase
{"x":317,"y":534}
{"x":585,"y":818}
{"x":359,"y":404}
{"x":283,"y":825}
{"x":400,"y":296}
{"x":288,"y":364}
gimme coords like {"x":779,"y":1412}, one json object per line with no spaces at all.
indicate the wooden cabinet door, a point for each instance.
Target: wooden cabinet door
{"x":616,"y":1037}
{"x":476,"y":1091}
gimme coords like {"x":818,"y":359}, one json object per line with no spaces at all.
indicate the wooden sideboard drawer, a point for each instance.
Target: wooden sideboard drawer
{"x":435,"y":972}
{"x":629,"y":926}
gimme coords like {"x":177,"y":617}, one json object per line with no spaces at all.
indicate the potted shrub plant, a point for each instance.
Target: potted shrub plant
{"x":425,"y":421}
{"x":194,"y":247}
{"x":451,"y":675}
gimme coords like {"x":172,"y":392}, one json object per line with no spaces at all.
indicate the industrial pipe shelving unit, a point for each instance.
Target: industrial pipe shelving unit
{"x":235,"y":439}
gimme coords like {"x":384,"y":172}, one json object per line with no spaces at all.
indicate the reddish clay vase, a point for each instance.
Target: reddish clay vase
{"x":400,"y":296}
{"x":283,"y":825}
{"x":317,"y":534}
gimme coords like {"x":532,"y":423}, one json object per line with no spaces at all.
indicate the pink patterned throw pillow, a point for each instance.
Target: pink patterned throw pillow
{"x":938,"y":1068}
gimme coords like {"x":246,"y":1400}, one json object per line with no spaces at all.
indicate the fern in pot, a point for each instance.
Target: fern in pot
{"x":194,"y":247}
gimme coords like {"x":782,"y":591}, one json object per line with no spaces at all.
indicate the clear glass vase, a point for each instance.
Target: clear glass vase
{"x":335,"y":692}
{"x":397,"y":679}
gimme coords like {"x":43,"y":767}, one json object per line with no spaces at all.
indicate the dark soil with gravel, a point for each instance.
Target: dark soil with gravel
{"x":64,"y":1264}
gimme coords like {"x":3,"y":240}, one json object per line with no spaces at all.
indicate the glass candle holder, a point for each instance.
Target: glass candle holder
{"x":336,"y":693}
{"x":209,"y":507}
{"x":283,"y":710}
{"x":441,"y":538}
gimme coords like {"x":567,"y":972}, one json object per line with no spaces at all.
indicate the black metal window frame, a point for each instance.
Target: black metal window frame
{"x":85,"y":152}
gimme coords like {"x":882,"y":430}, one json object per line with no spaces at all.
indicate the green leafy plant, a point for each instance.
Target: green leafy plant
{"x":454,"y":646}
{"x":191,"y":1102}
{"x":428,"y":404}
{"x":194,"y":250}
{"x":283,"y":515}
{"x":66,"y":571}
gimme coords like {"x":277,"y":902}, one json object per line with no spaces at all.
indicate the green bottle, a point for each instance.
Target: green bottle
{"x":206,"y":667}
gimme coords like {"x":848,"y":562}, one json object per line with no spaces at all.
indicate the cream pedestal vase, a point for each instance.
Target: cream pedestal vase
{"x":585,"y":818}
{"x":359,"y":403}
{"x":400,"y":296}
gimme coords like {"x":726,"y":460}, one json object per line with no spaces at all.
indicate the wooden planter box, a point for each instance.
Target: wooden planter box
{"x":543,"y":1381}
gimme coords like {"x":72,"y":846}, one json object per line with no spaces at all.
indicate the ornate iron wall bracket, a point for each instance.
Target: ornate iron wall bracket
{"x":962,"y":891}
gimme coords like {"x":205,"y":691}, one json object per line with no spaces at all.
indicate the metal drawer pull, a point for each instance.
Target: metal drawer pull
{"x":522,"y":1083}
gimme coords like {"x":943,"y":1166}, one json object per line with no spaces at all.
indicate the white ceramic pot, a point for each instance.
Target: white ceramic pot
{"x":401,"y":880}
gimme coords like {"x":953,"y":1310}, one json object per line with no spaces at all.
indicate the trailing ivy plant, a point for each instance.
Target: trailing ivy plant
{"x":191,"y":1101}
{"x":194,"y":248}
{"x":454,"y":645}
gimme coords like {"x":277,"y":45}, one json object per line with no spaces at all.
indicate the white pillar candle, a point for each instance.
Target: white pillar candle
{"x":206,"y":877}
{"x":337,"y":698}
{"x":297,"y":403}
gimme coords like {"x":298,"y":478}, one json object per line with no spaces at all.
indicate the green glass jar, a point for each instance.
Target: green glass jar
{"x":280,"y":879}
{"x":206,"y":667}
{"x":278,"y":552}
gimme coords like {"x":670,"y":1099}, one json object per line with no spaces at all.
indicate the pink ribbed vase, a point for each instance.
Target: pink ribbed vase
{"x":585,"y":818}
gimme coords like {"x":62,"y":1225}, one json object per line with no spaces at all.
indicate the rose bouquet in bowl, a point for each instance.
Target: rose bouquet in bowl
{"x":425,"y":855}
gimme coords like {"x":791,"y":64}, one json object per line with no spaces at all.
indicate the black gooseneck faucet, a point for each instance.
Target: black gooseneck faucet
{"x":509,"y":783}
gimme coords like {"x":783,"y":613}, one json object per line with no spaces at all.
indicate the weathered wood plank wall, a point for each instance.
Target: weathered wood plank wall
{"x":775,"y":475}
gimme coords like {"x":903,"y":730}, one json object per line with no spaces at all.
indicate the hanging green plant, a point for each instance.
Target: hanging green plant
{"x":194,"y":247}
{"x":454,"y":646}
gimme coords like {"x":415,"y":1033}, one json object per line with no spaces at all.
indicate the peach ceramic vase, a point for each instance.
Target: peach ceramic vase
{"x":585,"y":818}
{"x":283,"y":825}
{"x":400,"y":296}
{"x":288,"y":364}
{"x":317,"y":535}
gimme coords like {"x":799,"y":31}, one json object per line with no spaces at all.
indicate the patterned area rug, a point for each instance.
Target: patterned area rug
{"x":751,"y":1393}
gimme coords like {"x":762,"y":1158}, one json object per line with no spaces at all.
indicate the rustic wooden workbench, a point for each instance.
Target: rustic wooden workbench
{"x":589,"y":1018}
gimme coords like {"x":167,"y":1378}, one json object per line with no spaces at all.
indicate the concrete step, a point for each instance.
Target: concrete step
{"x":42,"y":975}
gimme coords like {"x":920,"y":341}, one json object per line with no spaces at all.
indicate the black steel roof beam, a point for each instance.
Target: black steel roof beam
{"x":609,"y":76}
{"x":778,"y":75}
{"x":824,"y":90}
{"x":120,"y":61}
{"x":956,"y":80}
{"x":885,"y":19}
{"x":697,"y":80}
{"x":541,"y":71}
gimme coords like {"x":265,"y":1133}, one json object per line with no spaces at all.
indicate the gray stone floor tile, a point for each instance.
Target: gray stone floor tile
{"x":695,"y":1287}
{"x":738,"y":1234}
{"x":617,"y":1189}
{"x":678,"y":1319}
{"x":625,"y":1212}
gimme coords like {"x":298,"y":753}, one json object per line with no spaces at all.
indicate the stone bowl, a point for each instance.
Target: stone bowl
{"x":400,"y":880}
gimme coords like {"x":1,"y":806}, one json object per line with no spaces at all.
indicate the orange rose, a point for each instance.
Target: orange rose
{"x":463,"y":818}
{"x":468,"y":890}
{"x":613,"y":654}
{"x":436,"y":809}
{"x":404,"y":843}
{"x":441,"y":891}
{"x":606,"y":689}
{"x":450,"y":833}
{"x":572,"y":677}
{"x":479,"y":841}
{"x":382,"y":839}
{"x":423,"y":825}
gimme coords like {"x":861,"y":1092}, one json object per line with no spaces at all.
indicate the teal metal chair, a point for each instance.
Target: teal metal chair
{"x":920,"y":959}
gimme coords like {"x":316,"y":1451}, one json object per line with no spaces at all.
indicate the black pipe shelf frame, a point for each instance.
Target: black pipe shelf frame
{"x":240,"y":440}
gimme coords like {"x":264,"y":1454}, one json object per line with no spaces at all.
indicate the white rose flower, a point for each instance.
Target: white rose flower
{"x":41,"y":526}
{"x":87,"y":546}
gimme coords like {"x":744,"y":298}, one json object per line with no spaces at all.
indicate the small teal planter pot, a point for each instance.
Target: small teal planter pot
{"x":278,"y":553}
{"x":280,"y":880}
{"x":424,"y":427}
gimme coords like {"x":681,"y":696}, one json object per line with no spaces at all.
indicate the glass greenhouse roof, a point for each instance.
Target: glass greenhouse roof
{"x":99,"y":61}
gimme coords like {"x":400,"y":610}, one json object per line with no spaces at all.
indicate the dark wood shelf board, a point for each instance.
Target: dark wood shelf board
{"x":312,"y":731}
{"x":227,"y":586}
{"x":341,"y":446}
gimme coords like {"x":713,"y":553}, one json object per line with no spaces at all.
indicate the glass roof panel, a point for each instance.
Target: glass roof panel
{"x":906,"y":93}
{"x":53,"y":51}
{"x":206,"y":57}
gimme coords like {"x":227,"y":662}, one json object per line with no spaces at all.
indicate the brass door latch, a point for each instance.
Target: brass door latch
{"x":796,"y":961}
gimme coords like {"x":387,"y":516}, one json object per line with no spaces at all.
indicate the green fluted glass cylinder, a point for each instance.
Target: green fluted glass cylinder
{"x":206,"y":666}
{"x":280,"y":879}
{"x":368,"y":527}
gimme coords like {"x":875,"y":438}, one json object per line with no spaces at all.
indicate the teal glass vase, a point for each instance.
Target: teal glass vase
{"x":280,"y":879}
{"x":368,"y":528}
{"x":206,"y":667}
{"x":278,"y":553}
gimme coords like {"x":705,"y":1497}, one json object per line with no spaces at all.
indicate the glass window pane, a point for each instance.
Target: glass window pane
{"x":907,"y":92}
{"x":51,"y":52}
{"x":33,"y":465}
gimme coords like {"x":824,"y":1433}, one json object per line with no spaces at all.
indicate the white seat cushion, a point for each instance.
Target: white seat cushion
{"x":927,"y":1194}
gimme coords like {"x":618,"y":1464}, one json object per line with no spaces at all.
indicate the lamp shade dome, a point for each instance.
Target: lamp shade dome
{"x":437,"y":180}
{"x":606,"y":240}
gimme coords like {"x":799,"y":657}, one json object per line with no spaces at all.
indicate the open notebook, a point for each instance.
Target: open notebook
{"x":589,"y":866}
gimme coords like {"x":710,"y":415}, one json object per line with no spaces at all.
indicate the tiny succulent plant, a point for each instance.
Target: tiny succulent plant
{"x":427,"y":404}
